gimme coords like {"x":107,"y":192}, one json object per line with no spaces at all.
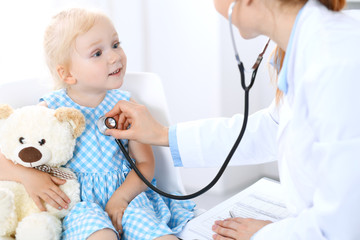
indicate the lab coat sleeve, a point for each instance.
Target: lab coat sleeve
{"x":206,"y":143}
{"x":174,"y":148}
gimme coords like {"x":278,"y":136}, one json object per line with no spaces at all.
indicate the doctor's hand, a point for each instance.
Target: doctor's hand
{"x":136,"y":123}
{"x":237,"y":228}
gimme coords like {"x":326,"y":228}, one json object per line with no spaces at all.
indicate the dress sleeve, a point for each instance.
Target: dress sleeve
{"x":206,"y":143}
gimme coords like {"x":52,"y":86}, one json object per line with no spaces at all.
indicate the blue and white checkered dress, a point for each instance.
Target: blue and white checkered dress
{"x":101,"y":168}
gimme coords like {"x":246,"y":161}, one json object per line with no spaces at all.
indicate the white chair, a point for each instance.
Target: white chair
{"x":146,"y":88}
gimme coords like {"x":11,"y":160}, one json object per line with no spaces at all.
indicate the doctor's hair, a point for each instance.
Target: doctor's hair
{"x":334,"y":5}
{"x":278,"y":54}
{"x":60,"y":36}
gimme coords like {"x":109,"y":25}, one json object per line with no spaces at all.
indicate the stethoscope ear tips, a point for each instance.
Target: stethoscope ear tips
{"x":105,"y":123}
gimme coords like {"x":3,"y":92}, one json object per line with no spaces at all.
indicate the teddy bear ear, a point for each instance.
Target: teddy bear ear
{"x":72,"y":116}
{"x":5,"y":111}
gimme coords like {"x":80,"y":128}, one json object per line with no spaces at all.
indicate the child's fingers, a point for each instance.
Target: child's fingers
{"x":60,"y":196}
{"x":126,"y":124}
{"x":38,"y":203}
{"x":62,"y":201}
{"x":49,"y":199}
{"x":58,"y":181}
{"x":117,"y":221}
{"x":52,"y":196}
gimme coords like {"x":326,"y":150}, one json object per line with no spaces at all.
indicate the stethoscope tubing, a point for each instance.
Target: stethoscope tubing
{"x":246,"y":89}
{"x":218,"y":175}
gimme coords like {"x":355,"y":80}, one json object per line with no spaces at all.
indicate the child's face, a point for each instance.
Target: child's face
{"x":98,"y":62}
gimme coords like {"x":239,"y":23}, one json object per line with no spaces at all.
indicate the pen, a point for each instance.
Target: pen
{"x":232,"y":215}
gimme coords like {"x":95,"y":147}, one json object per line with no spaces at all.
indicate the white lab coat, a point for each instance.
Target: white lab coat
{"x":315,"y":137}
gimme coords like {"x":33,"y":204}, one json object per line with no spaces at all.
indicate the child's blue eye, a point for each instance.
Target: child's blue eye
{"x":97,"y":54}
{"x":116,"y":45}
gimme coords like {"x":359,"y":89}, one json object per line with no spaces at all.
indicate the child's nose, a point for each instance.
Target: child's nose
{"x":114,"y":57}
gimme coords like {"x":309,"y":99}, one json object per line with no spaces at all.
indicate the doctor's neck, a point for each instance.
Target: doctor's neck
{"x":281,"y":21}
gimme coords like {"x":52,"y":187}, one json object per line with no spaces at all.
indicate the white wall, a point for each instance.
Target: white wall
{"x":186,"y":42}
{"x":21,"y":25}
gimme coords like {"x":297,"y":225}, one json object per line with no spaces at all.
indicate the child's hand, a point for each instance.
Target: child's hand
{"x":39,"y":185}
{"x":115,"y":208}
{"x":43,"y":187}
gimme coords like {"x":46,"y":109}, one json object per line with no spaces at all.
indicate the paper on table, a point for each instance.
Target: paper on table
{"x":262,"y":200}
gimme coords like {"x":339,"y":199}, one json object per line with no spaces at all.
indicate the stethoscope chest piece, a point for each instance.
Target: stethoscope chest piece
{"x":105,"y":123}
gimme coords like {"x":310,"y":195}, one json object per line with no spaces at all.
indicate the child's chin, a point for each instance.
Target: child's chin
{"x":119,"y":83}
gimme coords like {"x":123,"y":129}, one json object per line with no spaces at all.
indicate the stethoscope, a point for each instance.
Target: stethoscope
{"x":105,"y":123}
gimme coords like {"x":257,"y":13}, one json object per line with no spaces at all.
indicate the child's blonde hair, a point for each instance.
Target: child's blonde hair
{"x":60,"y":37}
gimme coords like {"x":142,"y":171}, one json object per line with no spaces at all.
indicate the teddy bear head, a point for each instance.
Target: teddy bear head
{"x":37,"y":135}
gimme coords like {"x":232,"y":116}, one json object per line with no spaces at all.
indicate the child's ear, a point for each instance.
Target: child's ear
{"x":65,"y":75}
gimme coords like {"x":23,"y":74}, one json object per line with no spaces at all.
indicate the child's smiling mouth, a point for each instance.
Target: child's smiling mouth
{"x":115,"y":72}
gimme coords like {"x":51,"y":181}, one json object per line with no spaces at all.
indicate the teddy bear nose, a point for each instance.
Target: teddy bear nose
{"x":30,"y":155}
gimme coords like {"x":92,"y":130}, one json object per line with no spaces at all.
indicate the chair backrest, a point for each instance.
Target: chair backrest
{"x":145,"y":88}
{"x":23,"y":92}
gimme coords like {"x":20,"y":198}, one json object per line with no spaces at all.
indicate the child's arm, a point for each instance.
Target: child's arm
{"x":133,"y":185}
{"x":39,"y":185}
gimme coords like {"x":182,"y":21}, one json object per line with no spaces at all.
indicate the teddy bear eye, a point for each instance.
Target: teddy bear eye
{"x":42,"y":142}
{"x":21,"y":140}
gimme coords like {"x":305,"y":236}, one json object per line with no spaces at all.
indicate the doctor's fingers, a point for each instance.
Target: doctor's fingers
{"x":117,"y":109}
{"x":143,"y":128}
{"x":129,"y":108}
{"x":228,"y":229}
{"x":122,"y":134}
{"x":244,"y":227}
{"x":123,"y":122}
{"x":136,"y":112}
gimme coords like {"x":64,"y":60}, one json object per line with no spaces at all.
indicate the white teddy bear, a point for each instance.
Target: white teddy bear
{"x":36,"y":136}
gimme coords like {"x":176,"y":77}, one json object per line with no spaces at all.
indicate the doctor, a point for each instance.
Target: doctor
{"x":313,"y":130}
